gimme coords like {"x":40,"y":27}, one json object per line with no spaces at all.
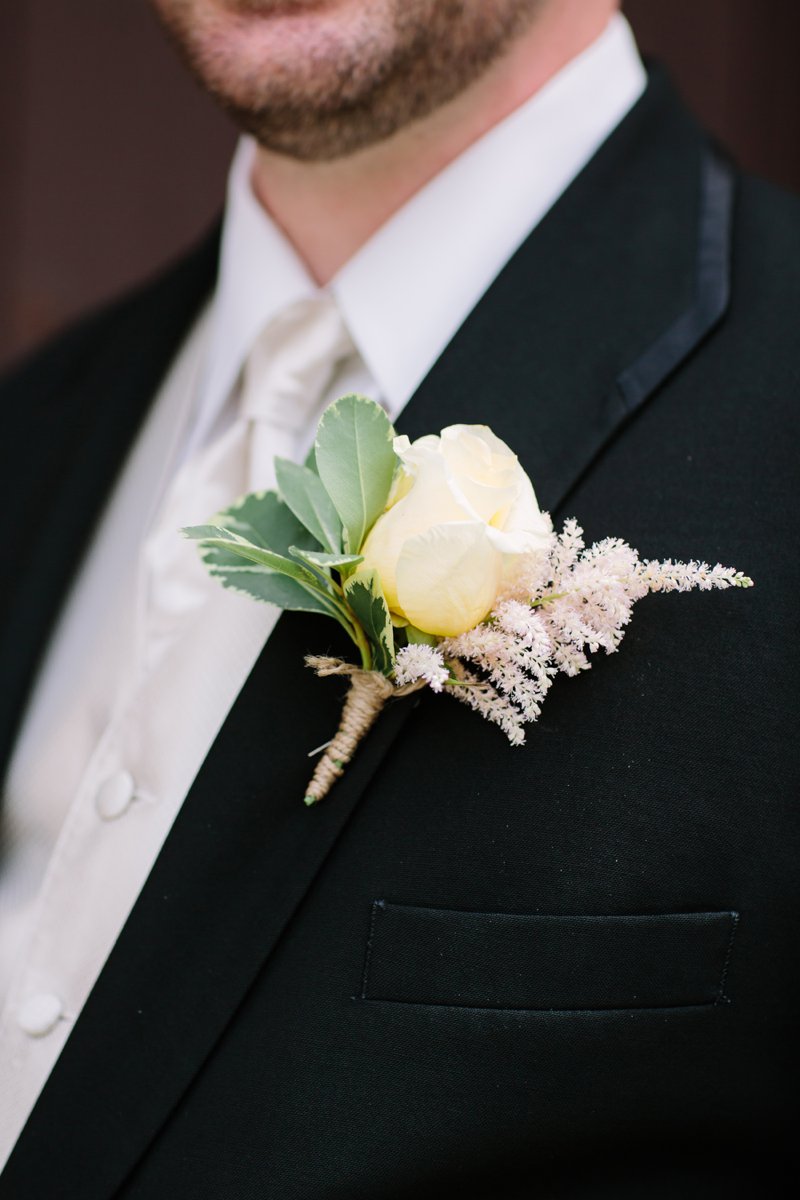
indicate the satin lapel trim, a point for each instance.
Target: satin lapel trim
{"x":638,"y":382}
{"x":614,"y":290}
{"x":239,"y":862}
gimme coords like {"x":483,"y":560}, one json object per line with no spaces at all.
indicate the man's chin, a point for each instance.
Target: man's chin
{"x":321,"y":79}
{"x":297,"y":74}
{"x":262,"y":51}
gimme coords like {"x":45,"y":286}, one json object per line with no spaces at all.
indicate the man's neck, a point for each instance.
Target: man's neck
{"x":329,"y":209}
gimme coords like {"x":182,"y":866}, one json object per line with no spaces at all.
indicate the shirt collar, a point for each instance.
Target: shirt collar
{"x":407,"y":290}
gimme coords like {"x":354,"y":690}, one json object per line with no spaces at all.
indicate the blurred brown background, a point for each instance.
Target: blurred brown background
{"x":112,"y":160}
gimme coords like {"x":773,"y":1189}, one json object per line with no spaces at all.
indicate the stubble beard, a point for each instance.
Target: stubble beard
{"x":397,"y":61}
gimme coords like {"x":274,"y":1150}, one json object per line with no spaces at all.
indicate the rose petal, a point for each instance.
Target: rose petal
{"x":475,"y":451}
{"x":448,"y":577}
{"x":525,"y":512}
{"x":430,"y":499}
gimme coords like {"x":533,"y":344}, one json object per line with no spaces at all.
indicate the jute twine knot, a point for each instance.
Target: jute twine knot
{"x":366,"y":696}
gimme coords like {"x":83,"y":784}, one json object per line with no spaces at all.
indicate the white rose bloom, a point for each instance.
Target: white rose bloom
{"x":460,"y":514}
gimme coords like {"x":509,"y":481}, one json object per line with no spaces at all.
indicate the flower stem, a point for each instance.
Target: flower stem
{"x":366,"y":696}
{"x":548,"y":599}
{"x":360,"y":639}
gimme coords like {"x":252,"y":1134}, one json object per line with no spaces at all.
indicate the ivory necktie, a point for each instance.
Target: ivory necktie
{"x":285,"y":378}
{"x":287,"y":374}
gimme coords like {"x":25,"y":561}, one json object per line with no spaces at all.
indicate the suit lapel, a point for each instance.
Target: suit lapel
{"x":612,"y":291}
{"x":615,"y":288}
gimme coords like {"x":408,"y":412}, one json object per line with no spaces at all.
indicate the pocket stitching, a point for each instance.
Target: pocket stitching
{"x":720,"y":997}
{"x":376,"y":904}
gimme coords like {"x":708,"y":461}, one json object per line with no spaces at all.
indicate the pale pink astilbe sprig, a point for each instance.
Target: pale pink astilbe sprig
{"x":525,"y":623}
{"x":488,"y":701}
{"x":562,"y":604}
{"x":420,"y":662}
{"x":566,"y":548}
{"x":532,"y":574}
{"x":591,"y":603}
{"x":516,"y":666}
{"x":669,"y":576}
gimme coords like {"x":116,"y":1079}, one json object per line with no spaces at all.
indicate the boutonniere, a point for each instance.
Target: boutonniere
{"x":435,"y":558}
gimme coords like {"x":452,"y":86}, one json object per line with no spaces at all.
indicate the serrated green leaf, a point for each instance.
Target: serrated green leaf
{"x":356,"y":462}
{"x":261,"y":518}
{"x":212,"y":537}
{"x":264,"y":519}
{"x":365,"y":597}
{"x":271,"y":588}
{"x":318,"y":558}
{"x":198,"y":533}
{"x":303,"y":492}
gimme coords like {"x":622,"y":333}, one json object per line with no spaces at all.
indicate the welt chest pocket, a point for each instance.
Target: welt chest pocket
{"x":546,"y":963}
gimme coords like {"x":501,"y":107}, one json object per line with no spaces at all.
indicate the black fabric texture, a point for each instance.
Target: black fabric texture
{"x":227,"y":1051}
{"x":546,"y":962}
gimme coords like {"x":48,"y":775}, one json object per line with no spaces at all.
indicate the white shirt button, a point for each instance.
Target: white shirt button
{"x":39,"y":1014}
{"x":114,"y":795}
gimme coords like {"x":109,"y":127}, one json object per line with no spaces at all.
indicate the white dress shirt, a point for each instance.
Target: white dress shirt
{"x":140,"y":674}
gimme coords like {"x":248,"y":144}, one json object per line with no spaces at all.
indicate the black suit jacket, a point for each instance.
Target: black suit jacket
{"x":564,"y":971}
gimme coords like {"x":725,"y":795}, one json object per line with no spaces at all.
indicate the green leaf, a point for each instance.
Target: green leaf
{"x":311,"y":461}
{"x":272,"y":588}
{"x":270,"y":523}
{"x":302,"y":490}
{"x":199,"y":533}
{"x":356,"y":462}
{"x":317,"y":558}
{"x":212,"y":537}
{"x":365,"y":597}
{"x":417,"y":637}
{"x":263,"y":519}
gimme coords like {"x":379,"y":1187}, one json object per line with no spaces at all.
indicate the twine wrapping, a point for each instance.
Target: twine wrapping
{"x":366,"y":696}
